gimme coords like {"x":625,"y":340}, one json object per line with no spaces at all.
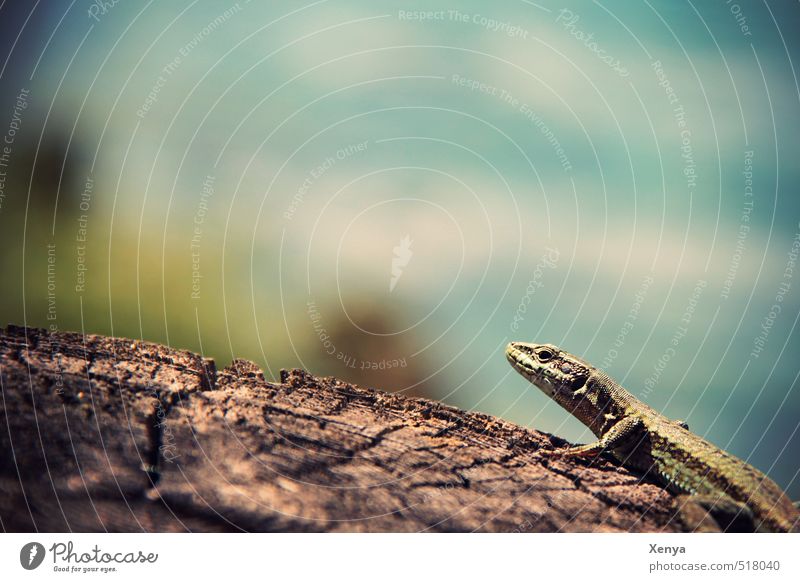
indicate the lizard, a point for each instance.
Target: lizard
{"x":707,"y":480}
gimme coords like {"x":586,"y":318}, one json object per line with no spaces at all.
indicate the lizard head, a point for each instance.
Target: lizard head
{"x":557,"y":373}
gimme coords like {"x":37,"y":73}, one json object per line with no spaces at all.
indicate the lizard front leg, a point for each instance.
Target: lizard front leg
{"x":615,"y":436}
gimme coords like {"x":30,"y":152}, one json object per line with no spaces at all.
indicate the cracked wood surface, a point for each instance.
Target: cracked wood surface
{"x":105,"y":434}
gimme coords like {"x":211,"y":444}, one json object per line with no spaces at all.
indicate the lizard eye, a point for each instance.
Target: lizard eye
{"x":544,"y":355}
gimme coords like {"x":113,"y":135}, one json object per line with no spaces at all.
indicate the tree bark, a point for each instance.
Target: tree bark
{"x":105,"y":434}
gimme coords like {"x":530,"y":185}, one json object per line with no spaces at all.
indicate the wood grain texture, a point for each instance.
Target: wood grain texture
{"x":105,"y":434}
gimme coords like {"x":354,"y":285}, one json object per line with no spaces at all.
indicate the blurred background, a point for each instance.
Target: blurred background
{"x":389,"y":192}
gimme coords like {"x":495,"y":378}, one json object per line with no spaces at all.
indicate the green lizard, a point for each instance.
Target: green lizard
{"x":710,"y":481}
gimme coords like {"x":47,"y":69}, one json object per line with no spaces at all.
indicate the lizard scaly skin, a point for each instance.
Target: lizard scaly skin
{"x":710,"y":479}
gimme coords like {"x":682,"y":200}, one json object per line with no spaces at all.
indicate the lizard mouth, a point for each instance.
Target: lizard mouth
{"x":528,"y":367}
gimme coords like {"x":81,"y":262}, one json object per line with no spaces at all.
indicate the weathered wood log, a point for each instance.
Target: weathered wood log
{"x":105,"y":434}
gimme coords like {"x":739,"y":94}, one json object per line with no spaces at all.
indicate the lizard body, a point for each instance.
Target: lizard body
{"x":710,"y":480}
